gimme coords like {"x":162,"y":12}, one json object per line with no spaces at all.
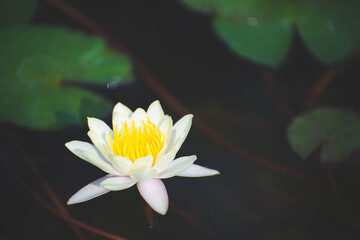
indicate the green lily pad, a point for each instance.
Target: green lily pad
{"x":335,"y":131}
{"x":330,"y":29}
{"x":269,"y":52}
{"x":36,"y":65}
{"x":261,"y":30}
{"x":16,"y":11}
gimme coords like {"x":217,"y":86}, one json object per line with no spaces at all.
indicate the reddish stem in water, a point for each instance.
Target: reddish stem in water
{"x":319,"y":87}
{"x":192,"y":220}
{"x":325,"y":79}
{"x":83,"y":20}
{"x":48,"y":206}
{"x":51,"y":193}
{"x":335,"y":188}
{"x":149,"y":215}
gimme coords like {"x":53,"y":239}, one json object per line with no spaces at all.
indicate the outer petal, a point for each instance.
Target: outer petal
{"x":155,"y":112}
{"x":177,"y":166}
{"x":122,"y":109}
{"x":89,"y":153}
{"x":198,"y":171}
{"x":99,"y":127}
{"x":180,"y":130}
{"x":176,"y":146}
{"x":165,"y":128}
{"x":165,"y":161}
{"x":90,"y":191}
{"x":101,"y":144}
{"x":117,"y":183}
{"x":154,"y":193}
{"x":143,"y":174}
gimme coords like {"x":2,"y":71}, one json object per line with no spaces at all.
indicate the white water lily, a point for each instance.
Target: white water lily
{"x":140,"y":149}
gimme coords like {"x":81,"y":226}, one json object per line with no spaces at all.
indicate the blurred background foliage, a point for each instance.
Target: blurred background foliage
{"x":335,"y":131}
{"x":39,"y":66}
{"x":277,"y":79}
{"x":262,"y":30}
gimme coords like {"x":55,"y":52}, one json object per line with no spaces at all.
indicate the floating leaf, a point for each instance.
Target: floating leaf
{"x":36,"y":63}
{"x":16,"y":11}
{"x":335,"y":131}
{"x":270,"y":52}
{"x":261,"y":30}
{"x":330,"y":29}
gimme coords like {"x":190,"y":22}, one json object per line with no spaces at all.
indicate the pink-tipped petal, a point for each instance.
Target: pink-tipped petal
{"x":90,"y":191}
{"x":154,"y":193}
{"x":198,"y":171}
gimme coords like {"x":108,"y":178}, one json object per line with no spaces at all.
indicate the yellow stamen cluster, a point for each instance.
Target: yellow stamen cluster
{"x":135,"y":142}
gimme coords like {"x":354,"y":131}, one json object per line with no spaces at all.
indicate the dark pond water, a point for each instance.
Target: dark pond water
{"x":249,"y":104}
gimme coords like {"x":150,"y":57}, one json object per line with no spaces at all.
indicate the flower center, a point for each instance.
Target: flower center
{"x":135,"y":142}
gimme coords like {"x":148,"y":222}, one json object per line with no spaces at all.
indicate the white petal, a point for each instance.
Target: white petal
{"x":165,"y":128}
{"x":165,"y":161}
{"x":90,"y":191}
{"x":139,"y":116}
{"x":143,"y":174}
{"x":156,"y":113}
{"x":101,"y":144}
{"x":177,"y":167}
{"x":121,"y":108}
{"x":142,"y":163}
{"x":77,"y":147}
{"x":118,"y":120}
{"x":154,"y":193}
{"x":198,"y":171}
{"x":117,"y":183}
{"x":94,"y":159}
{"x":121,"y":164}
{"x":99,"y":127}
{"x":89,"y":153}
{"x":176,"y":146}
{"x":180,"y":130}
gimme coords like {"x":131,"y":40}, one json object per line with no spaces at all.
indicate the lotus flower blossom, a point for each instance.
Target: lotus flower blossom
{"x":140,"y":149}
